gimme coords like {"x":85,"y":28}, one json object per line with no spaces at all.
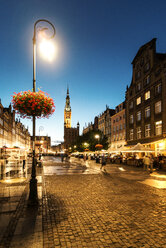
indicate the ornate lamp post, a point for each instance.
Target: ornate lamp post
{"x":33,"y":196}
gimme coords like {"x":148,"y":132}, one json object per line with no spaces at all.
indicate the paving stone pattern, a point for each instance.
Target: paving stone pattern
{"x":102,"y":211}
{"x":10,"y":211}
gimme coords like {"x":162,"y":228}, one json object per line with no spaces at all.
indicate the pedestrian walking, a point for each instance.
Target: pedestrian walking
{"x":23,"y":164}
{"x":62,"y":157}
{"x":151,"y":163}
{"x":103,"y":163}
{"x":146,"y":161}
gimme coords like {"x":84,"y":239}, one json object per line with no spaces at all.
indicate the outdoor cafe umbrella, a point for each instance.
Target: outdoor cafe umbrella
{"x":117,"y":150}
{"x":139,"y":148}
{"x":98,"y":146}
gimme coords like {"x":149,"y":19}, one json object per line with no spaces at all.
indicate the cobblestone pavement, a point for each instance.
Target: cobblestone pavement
{"x":103,"y":210}
{"x":80,"y":206}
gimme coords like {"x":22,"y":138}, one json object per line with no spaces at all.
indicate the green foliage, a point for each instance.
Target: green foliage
{"x":89,"y":141}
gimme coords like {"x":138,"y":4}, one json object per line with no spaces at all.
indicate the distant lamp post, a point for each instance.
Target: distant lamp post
{"x":97,"y":136}
{"x":86,"y":144}
{"x":33,"y":196}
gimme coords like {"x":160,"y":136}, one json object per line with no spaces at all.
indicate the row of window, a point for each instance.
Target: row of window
{"x":120,"y":136}
{"x":101,"y":121}
{"x":147,"y":112}
{"x":120,"y":127}
{"x":146,"y":96}
{"x":146,"y":81}
{"x":119,"y":118}
{"x":158,"y":130}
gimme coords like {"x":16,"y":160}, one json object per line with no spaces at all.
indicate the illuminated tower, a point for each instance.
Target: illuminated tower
{"x":67,"y":111}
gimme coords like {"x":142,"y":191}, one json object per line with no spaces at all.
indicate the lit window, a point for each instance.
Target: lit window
{"x":131,"y":119}
{"x":158,"y":107}
{"x":158,"y":127}
{"x":138,"y":100}
{"x":147,"y":95}
{"x":147,"y":112}
{"x":147,"y":130}
{"x":131,"y":134}
{"x":138,"y":115}
{"x":158,"y":89}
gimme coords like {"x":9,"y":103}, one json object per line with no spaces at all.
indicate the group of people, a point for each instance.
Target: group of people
{"x":147,"y":163}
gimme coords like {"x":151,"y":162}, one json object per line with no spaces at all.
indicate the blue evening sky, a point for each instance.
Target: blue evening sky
{"x":96,"y":41}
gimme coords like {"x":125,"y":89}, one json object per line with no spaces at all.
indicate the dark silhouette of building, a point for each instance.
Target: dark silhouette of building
{"x":70,"y":133}
{"x":146,"y":99}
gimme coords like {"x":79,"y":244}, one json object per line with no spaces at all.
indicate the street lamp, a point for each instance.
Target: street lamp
{"x":33,"y":197}
{"x":86,"y":144}
{"x":97,"y":136}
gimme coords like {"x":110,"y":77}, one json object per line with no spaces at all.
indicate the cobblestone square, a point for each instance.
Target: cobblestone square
{"x":92,"y":209}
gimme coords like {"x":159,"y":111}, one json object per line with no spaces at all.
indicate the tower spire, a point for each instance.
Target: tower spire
{"x":67,"y":89}
{"x":67,"y":111}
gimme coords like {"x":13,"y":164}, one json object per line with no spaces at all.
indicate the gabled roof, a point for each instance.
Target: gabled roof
{"x":142,"y":48}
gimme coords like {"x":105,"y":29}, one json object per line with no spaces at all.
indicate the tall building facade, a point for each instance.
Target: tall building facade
{"x":104,"y":122}
{"x":91,"y":126}
{"x":146,"y":99}
{"x":70,"y":133}
{"x":12,"y":132}
{"x":118,"y":127}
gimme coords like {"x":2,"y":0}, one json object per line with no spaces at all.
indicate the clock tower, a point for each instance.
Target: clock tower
{"x":70,"y":133}
{"x":67,"y":111}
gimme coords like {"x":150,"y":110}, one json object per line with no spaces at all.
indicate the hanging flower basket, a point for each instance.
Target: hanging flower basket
{"x":28,"y":104}
{"x":98,"y":146}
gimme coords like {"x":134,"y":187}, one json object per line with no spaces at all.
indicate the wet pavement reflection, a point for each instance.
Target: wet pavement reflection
{"x":155,"y":183}
{"x":53,"y":165}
